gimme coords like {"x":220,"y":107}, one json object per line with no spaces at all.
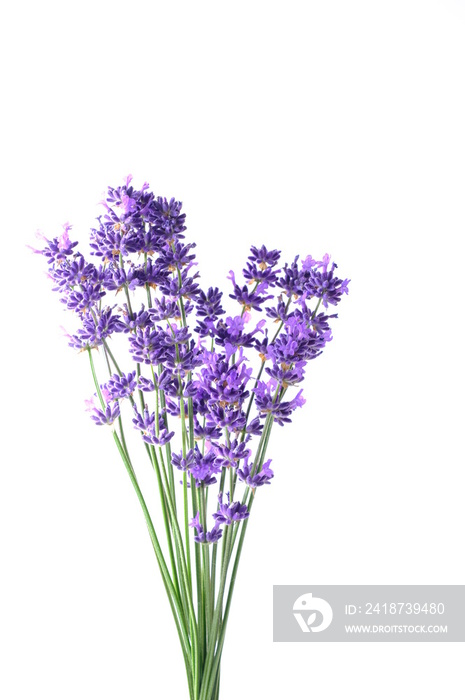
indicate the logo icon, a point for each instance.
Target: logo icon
{"x":306,"y":603}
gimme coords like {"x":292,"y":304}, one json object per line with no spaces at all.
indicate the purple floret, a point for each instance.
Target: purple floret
{"x":229,"y":513}
{"x":203,"y":537}
{"x":106,"y":417}
{"x":261,"y":478}
{"x":120,"y":387}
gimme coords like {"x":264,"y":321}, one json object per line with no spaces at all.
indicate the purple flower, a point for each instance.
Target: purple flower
{"x":173,"y":258}
{"x":248,"y":298}
{"x":120,"y":387}
{"x":254,"y":427}
{"x":145,"y":346}
{"x":106,"y":417}
{"x":184,"y":287}
{"x":260,"y":478}
{"x":229,"y":513}
{"x":220,"y":416}
{"x":59,"y":248}
{"x":287,"y":375}
{"x":202,"y":467}
{"x":263,"y":257}
{"x":209,"y":305}
{"x":229,"y":333}
{"x":164,"y":309}
{"x":73,"y":272}
{"x":203,"y":537}
{"x":145,"y":384}
{"x":267,"y":403}
{"x":325,"y":286}
{"x":96,"y":328}
{"x":83,"y":299}
{"x":167,"y":218}
{"x":261,"y":267}
{"x":210,"y":431}
{"x":230,"y":455}
{"x":146,"y":423}
{"x":183,"y":463}
{"x":279,"y":312}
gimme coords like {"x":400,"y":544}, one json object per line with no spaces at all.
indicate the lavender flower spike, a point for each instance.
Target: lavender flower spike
{"x":229,"y":513}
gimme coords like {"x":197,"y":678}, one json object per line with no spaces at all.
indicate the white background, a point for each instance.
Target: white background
{"x":309,"y":126}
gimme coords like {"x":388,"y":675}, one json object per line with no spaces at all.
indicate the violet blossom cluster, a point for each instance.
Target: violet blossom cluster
{"x":234,"y":373}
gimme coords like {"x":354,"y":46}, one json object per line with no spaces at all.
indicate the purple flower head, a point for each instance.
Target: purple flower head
{"x":209,"y":305}
{"x":120,"y":387}
{"x":202,"y":467}
{"x":64,"y":242}
{"x":151,"y":433}
{"x":128,"y":204}
{"x":223,"y":383}
{"x":207,"y":431}
{"x":109,"y":240}
{"x":279,"y":312}
{"x":166,"y":216}
{"x":177,"y":256}
{"x":223,"y":417}
{"x":95,"y":329}
{"x":287,"y":375}
{"x":309,"y":262}
{"x":320,"y":323}
{"x":254,"y":427}
{"x":183,"y":359}
{"x":185,"y":287}
{"x":267,"y":401}
{"x":146,"y":347}
{"x":261,"y":267}
{"x":106,"y":417}
{"x":291,"y":281}
{"x":230,"y":455}
{"x":163,"y":309}
{"x":184,"y":463}
{"x":229,"y":333}
{"x":298,"y":342}
{"x":260,"y":478}
{"x":250,"y":299}
{"x":229,"y":513}
{"x":325,"y":285}
{"x":263,"y":257}
{"x":145,"y":384}
{"x":75,"y":271}
{"x":58,"y":249}
{"x":84,"y":299}
{"x":205,"y":537}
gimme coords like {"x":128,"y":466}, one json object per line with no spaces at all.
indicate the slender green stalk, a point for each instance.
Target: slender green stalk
{"x":174,"y":600}
{"x":252,"y":395}
{"x":216,"y":618}
{"x":156,"y":545}
{"x":215,"y":547}
{"x":206,"y":567}
{"x":186,"y":583}
{"x":166,"y":519}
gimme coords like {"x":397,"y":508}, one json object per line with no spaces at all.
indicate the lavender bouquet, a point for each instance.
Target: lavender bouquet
{"x":187,"y":385}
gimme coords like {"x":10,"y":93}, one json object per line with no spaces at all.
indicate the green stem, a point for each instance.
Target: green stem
{"x":156,"y":545}
{"x":213,"y":634}
{"x":166,"y":519}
